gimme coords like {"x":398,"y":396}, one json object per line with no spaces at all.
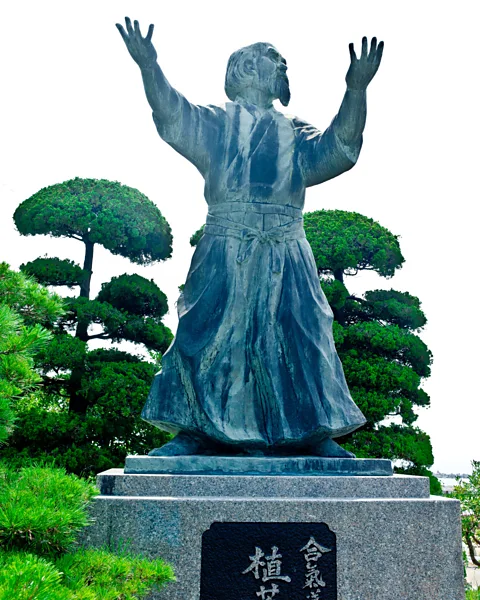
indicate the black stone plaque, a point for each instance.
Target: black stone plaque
{"x":269,"y":561}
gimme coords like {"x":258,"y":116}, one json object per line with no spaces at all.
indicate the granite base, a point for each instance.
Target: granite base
{"x":393,"y":541}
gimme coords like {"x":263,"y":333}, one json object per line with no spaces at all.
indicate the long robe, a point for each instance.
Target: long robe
{"x":253,"y":363}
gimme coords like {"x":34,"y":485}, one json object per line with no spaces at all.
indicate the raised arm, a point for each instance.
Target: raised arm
{"x":327,"y":155}
{"x":350,"y":120}
{"x":162,"y":97}
{"x":191,"y":130}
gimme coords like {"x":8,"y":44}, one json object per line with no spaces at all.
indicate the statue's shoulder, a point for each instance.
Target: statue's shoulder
{"x":302,"y":128}
{"x":217,"y":109}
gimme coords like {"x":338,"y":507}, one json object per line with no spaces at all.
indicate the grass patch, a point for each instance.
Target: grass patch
{"x":82,"y":575}
{"x":110,"y":576}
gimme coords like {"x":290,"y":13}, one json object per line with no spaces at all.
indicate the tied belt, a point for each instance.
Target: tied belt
{"x":251,"y":238}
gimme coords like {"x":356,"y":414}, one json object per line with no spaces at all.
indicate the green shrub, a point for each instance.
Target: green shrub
{"x":107,"y":576}
{"x":42,"y":509}
{"x":54,"y":271}
{"x":135,"y":294}
{"x":83,"y":575}
{"x":47,"y":432}
{"x":27,"y":577}
{"x":468,"y":492}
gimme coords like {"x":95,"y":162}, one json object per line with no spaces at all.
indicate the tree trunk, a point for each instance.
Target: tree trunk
{"x":87,"y":267}
{"x":78,"y":404}
{"x":339,"y":313}
{"x":471,"y":550}
{"x":82,"y":326}
{"x":338,"y":274}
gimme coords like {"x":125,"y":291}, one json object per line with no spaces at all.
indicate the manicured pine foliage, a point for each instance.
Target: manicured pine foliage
{"x":26,"y":309}
{"x":43,"y":513}
{"x":44,"y":510}
{"x":377,"y":337}
{"x":87,"y":415}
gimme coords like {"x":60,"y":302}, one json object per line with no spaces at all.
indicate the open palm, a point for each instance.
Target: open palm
{"x":362,"y":70}
{"x":141,"y":48}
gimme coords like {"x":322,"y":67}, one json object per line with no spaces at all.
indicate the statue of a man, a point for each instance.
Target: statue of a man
{"x":253,"y":368}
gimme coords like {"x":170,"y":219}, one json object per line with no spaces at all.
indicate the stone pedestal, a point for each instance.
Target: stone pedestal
{"x":393,"y":541}
{"x":256,"y":465}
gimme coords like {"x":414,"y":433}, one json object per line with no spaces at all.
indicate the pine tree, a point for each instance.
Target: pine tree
{"x":377,"y":337}
{"x":88,"y":414}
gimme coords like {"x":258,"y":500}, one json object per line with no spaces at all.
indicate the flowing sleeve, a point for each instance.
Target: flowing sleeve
{"x":323,"y":156}
{"x":193,"y":131}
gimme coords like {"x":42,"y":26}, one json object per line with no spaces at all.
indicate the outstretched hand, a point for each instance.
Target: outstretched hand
{"x":362,"y":70}
{"x":141,"y":48}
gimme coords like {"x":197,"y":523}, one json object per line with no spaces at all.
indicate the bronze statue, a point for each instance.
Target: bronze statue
{"x":253,"y":368}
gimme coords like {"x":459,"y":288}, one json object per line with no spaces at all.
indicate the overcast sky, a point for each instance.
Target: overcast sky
{"x":73,"y":105}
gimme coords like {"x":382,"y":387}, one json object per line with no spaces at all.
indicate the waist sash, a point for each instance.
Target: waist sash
{"x":251,"y":237}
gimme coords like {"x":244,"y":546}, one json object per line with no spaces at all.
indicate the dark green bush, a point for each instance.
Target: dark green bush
{"x":135,"y":294}
{"x":111,"y":429}
{"x":55,"y":271}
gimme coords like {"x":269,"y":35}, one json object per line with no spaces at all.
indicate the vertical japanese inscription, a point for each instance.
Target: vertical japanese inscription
{"x":271,"y":568}
{"x":268,"y":561}
{"x":313,"y":577}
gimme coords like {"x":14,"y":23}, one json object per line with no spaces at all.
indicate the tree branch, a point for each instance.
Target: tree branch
{"x":358,"y":269}
{"x":99,"y":336}
{"x":72,"y":234}
{"x":349,"y":274}
{"x":53,"y":381}
{"x":471,"y":550}
{"x":357,"y":299}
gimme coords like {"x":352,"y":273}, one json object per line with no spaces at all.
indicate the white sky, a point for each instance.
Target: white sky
{"x":73,"y":105}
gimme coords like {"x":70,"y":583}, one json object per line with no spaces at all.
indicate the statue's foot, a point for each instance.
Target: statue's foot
{"x":330,"y":449}
{"x":181,"y":445}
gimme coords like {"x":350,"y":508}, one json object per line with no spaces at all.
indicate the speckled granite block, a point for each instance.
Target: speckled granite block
{"x":388,"y":548}
{"x":116,"y":483}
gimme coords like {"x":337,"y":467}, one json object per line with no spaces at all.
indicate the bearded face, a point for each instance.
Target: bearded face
{"x":272,"y":75}
{"x":281,"y":88}
{"x":259,"y":66}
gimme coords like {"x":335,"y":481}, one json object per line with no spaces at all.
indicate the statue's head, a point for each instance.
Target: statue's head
{"x":258,"y":66}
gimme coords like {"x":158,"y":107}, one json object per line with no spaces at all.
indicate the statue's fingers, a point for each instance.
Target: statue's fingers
{"x":353,"y":56}
{"x":136,"y":26}
{"x":122,"y":31}
{"x":128,"y":23}
{"x":150,"y":32}
{"x":379,"y":54}
{"x":364,"y":47}
{"x":373,"y":50}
